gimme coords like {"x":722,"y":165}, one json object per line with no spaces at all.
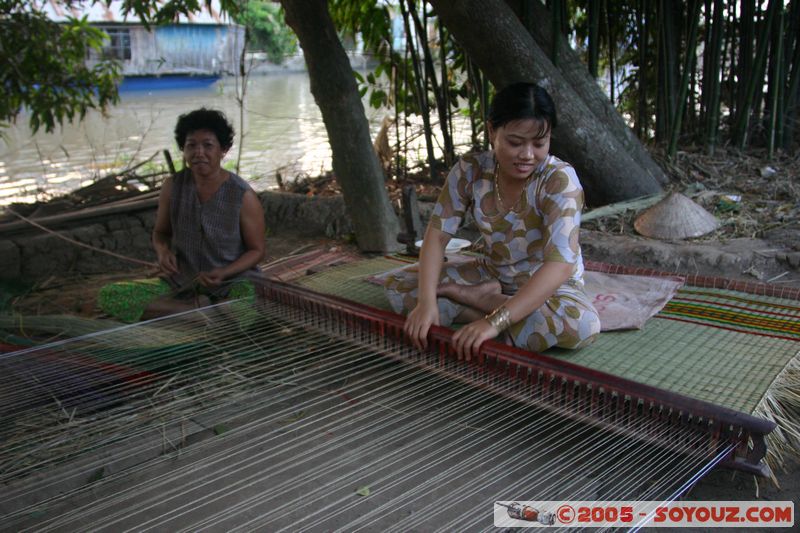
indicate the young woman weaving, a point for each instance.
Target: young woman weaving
{"x":528,"y":285}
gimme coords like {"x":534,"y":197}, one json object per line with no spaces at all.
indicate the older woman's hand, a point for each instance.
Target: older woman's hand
{"x":167,"y":262}
{"x":468,"y":340}
{"x":212,"y":278}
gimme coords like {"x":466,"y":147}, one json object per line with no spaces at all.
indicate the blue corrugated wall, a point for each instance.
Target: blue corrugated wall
{"x":190,"y":48}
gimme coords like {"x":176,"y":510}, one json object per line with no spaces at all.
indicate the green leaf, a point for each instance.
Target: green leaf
{"x":363,"y":491}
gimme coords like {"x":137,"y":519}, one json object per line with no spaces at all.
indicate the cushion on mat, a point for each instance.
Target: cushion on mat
{"x":626,"y":302}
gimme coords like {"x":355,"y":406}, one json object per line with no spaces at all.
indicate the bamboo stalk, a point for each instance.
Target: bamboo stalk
{"x":707,"y":40}
{"x":395,"y":87}
{"x":746,"y":37}
{"x":485,"y":110}
{"x":611,"y":56}
{"x":555,"y":21}
{"x":241,"y":94}
{"x":527,"y":15}
{"x":643,"y":27}
{"x":421,"y":92}
{"x":713,"y":82}
{"x":594,"y":36}
{"x":757,"y":76}
{"x":793,"y":89}
{"x":406,"y":93}
{"x":472,"y":96}
{"x":450,"y":154}
{"x":726,"y":25}
{"x":730,"y":99}
{"x":662,"y":108}
{"x":671,"y":45}
{"x":689,"y":60}
{"x":430,"y":73}
{"x":776,"y":83}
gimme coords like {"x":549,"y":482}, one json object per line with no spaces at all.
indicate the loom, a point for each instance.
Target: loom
{"x":313,"y":413}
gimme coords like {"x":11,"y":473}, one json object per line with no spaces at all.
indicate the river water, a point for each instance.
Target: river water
{"x":284,"y":133}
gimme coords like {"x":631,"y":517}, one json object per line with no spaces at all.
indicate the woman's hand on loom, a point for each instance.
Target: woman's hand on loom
{"x":468,"y":340}
{"x":419,"y":322}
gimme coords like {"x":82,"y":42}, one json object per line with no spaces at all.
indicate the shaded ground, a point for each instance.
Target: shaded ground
{"x":757,"y":204}
{"x":725,"y":485}
{"x":77,"y":295}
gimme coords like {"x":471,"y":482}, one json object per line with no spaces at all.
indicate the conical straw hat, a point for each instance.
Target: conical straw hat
{"x":675,"y":217}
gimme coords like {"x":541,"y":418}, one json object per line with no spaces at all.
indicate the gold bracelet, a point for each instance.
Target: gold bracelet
{"x":500,"y":318}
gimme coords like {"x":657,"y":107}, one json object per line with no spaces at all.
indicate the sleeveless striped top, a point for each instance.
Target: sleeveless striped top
{"x":206,"y":235}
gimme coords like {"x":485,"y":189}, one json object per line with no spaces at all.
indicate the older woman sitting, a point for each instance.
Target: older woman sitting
{"x":209,"y":230}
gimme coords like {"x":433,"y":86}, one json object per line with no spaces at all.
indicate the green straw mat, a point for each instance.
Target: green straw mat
{"x":732,"y":349}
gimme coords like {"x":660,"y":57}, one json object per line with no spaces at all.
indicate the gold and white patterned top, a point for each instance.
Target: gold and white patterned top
{"x":543,"y":226}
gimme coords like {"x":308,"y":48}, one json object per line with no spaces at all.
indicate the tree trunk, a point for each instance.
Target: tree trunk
{"x":580,"y":80}
{"x":335,"y":91}
{"x":587,"y":137}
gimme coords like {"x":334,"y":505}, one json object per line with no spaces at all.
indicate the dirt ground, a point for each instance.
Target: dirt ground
{"x":726,"y":485}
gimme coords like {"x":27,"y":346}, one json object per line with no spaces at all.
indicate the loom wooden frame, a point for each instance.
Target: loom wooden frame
{"x":529,"y":369}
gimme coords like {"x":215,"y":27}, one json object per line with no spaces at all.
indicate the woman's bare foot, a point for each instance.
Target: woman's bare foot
{"x":484,"y":296}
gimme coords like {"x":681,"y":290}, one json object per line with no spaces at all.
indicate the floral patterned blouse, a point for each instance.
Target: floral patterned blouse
{"x":543,"y":226}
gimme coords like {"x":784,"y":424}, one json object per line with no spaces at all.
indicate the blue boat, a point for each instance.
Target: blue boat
{"x":166,"y":83}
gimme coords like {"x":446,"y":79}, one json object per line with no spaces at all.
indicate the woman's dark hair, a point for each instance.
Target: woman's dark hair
{"x":205,"y":119}
{"x":520,"y":101}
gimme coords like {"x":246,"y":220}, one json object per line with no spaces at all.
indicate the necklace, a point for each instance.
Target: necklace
{"x":499,"y":193}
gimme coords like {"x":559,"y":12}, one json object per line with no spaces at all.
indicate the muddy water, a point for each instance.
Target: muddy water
{"x":283,"y":129}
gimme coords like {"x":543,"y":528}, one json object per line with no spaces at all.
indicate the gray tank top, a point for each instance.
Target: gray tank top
{"x":206,"y":235}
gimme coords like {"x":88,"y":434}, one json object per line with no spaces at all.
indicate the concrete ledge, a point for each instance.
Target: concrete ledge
{"x":31,"y":254}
